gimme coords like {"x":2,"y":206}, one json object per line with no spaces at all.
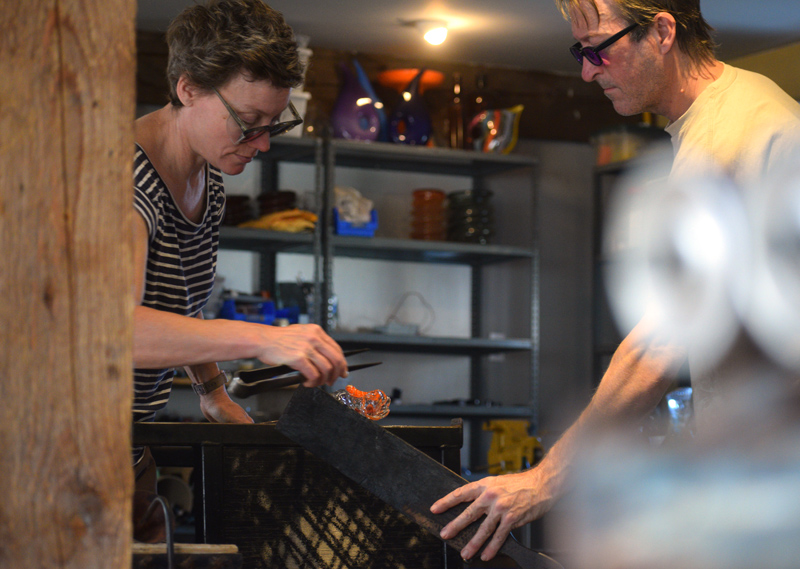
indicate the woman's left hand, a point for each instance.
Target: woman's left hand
{"x":218,"y":407}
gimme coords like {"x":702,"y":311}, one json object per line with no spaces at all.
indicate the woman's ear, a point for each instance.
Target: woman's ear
{"x":187,"y":92}
{"x":665,"y":26}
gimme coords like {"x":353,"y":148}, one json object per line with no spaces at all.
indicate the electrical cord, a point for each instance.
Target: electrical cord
{"x":426,"y":324}
{"x":170,"y":529}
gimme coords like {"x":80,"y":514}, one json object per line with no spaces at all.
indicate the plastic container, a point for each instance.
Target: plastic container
{"x":428,"y":215}
{"x":359,"y":230}
{"x":624,"y":142}
{"x":262,"y":312}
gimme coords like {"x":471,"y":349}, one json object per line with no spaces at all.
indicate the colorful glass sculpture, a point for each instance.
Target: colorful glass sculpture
{"x":496,"y":130}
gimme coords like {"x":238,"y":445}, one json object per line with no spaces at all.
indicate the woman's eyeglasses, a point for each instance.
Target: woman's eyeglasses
{"x":243,"y":134}
{"x":592,"y":54}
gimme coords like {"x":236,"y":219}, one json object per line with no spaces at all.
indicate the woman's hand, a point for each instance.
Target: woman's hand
{"x":218,"y":407}
{"x":305,"y":348}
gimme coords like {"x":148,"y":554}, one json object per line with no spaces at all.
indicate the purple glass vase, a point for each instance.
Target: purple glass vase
{"x":354,"y":114}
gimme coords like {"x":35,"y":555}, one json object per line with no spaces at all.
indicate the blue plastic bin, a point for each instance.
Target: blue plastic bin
{"x":360,"y":230}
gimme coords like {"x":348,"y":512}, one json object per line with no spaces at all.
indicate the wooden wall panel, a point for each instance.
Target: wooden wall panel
{"x":557,"y":107}
{"x":66,"y":148}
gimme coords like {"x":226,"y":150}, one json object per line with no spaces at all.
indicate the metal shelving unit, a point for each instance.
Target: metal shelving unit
{"x":605,"y":335}
{"x":327,"y":155}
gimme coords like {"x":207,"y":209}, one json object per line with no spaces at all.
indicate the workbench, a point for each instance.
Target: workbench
{"x":283,"y":507}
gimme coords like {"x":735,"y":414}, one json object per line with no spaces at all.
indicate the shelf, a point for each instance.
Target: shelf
{"x":290,"y":149}
{"x":426,"y":251}
{"x":613,"y":168}
{"x":330,"y":158}
{"x":251,"y":239}
{"x":398,"y":157}
{"x":461,"y":411}
{"x":373,"y":247}
{"x":432,"y":345}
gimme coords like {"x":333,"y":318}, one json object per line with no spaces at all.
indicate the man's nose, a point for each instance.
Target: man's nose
{"x":589,"y":71}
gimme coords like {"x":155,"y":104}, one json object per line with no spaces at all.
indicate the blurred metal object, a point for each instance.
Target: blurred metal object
{"x":729,"y":500}
{"x":680,"y":407}
{"x":772,"y":311}
{"x":683,"y":259}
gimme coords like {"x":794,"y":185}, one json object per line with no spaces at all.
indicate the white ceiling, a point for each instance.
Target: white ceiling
{"x":522,"y":34}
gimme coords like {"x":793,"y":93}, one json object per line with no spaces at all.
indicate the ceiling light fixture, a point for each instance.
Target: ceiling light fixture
{"x":434,"y":31}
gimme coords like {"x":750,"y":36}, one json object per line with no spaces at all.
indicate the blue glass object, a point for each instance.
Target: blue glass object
{"x":364,"y":81}
{"x":410,"y":122}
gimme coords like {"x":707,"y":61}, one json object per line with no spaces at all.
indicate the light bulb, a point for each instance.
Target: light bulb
{"x":434,"y":31}
{"x":436,"y":35}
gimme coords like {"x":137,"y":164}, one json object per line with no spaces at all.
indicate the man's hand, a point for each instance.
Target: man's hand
{"x":643,"y":367}
{"x":218,"y":407}
{"x":508,"y":502}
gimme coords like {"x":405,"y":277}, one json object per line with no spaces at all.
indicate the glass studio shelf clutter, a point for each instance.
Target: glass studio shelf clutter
{"x":326,"y":156}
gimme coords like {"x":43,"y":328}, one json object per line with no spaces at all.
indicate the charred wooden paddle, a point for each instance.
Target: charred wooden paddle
{"x":385,"y":465}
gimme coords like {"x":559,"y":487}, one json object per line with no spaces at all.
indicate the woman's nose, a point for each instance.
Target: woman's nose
{"x":261,"y":143}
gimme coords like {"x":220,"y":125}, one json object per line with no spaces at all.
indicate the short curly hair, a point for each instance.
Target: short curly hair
{"x":212,"y":42}
{"x":693,"y":33}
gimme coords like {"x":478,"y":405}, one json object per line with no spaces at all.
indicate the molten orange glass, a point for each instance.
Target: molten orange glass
{"x":372,"y":404}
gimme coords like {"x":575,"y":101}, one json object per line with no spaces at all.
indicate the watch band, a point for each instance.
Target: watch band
{"x":208,"y":386}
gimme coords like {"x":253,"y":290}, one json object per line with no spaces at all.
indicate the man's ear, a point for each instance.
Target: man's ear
{"x":187,"y":92}
{"x":665,"y":28}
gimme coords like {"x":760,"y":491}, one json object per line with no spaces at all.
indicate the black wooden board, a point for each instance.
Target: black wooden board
{"x":385,"y":465}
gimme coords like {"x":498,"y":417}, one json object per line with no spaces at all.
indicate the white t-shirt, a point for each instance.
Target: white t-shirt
{"x":743,"y":122}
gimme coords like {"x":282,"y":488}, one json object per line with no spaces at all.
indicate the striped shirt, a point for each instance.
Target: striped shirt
{"x":181,"y":265}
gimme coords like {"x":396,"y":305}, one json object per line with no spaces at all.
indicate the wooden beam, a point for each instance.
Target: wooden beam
{"x":66,"y":148}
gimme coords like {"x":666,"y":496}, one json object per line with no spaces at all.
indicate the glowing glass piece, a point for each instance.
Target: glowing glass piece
{"x":372,"y":404}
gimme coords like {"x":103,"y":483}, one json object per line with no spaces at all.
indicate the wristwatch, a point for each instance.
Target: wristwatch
{"x":214,"y":383}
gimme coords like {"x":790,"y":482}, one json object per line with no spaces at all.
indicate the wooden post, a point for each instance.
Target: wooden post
{"x":66,"y":147}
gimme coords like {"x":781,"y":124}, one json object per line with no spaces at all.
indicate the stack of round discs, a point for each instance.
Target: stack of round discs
{"x":471,"y":216}
{"x":238,"y":209}
{"x":428,"y":215}
{"x":270,"y":202}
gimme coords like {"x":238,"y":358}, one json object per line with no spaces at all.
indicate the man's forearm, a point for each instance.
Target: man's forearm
{"x":641,"y":371}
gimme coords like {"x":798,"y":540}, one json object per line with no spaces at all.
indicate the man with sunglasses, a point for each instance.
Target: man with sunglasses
{"x":648,"y":56}
{"x":231,"y":68}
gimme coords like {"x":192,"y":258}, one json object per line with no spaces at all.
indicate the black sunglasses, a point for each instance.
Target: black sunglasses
{"x":592,"y":54}
{"x":250,"y":134}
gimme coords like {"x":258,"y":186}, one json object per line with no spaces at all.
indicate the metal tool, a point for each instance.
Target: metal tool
{"x":387,"y":466}
{"x":250,"y":382}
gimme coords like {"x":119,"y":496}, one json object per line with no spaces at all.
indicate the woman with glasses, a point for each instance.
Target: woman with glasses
{"x":232,"y":66}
